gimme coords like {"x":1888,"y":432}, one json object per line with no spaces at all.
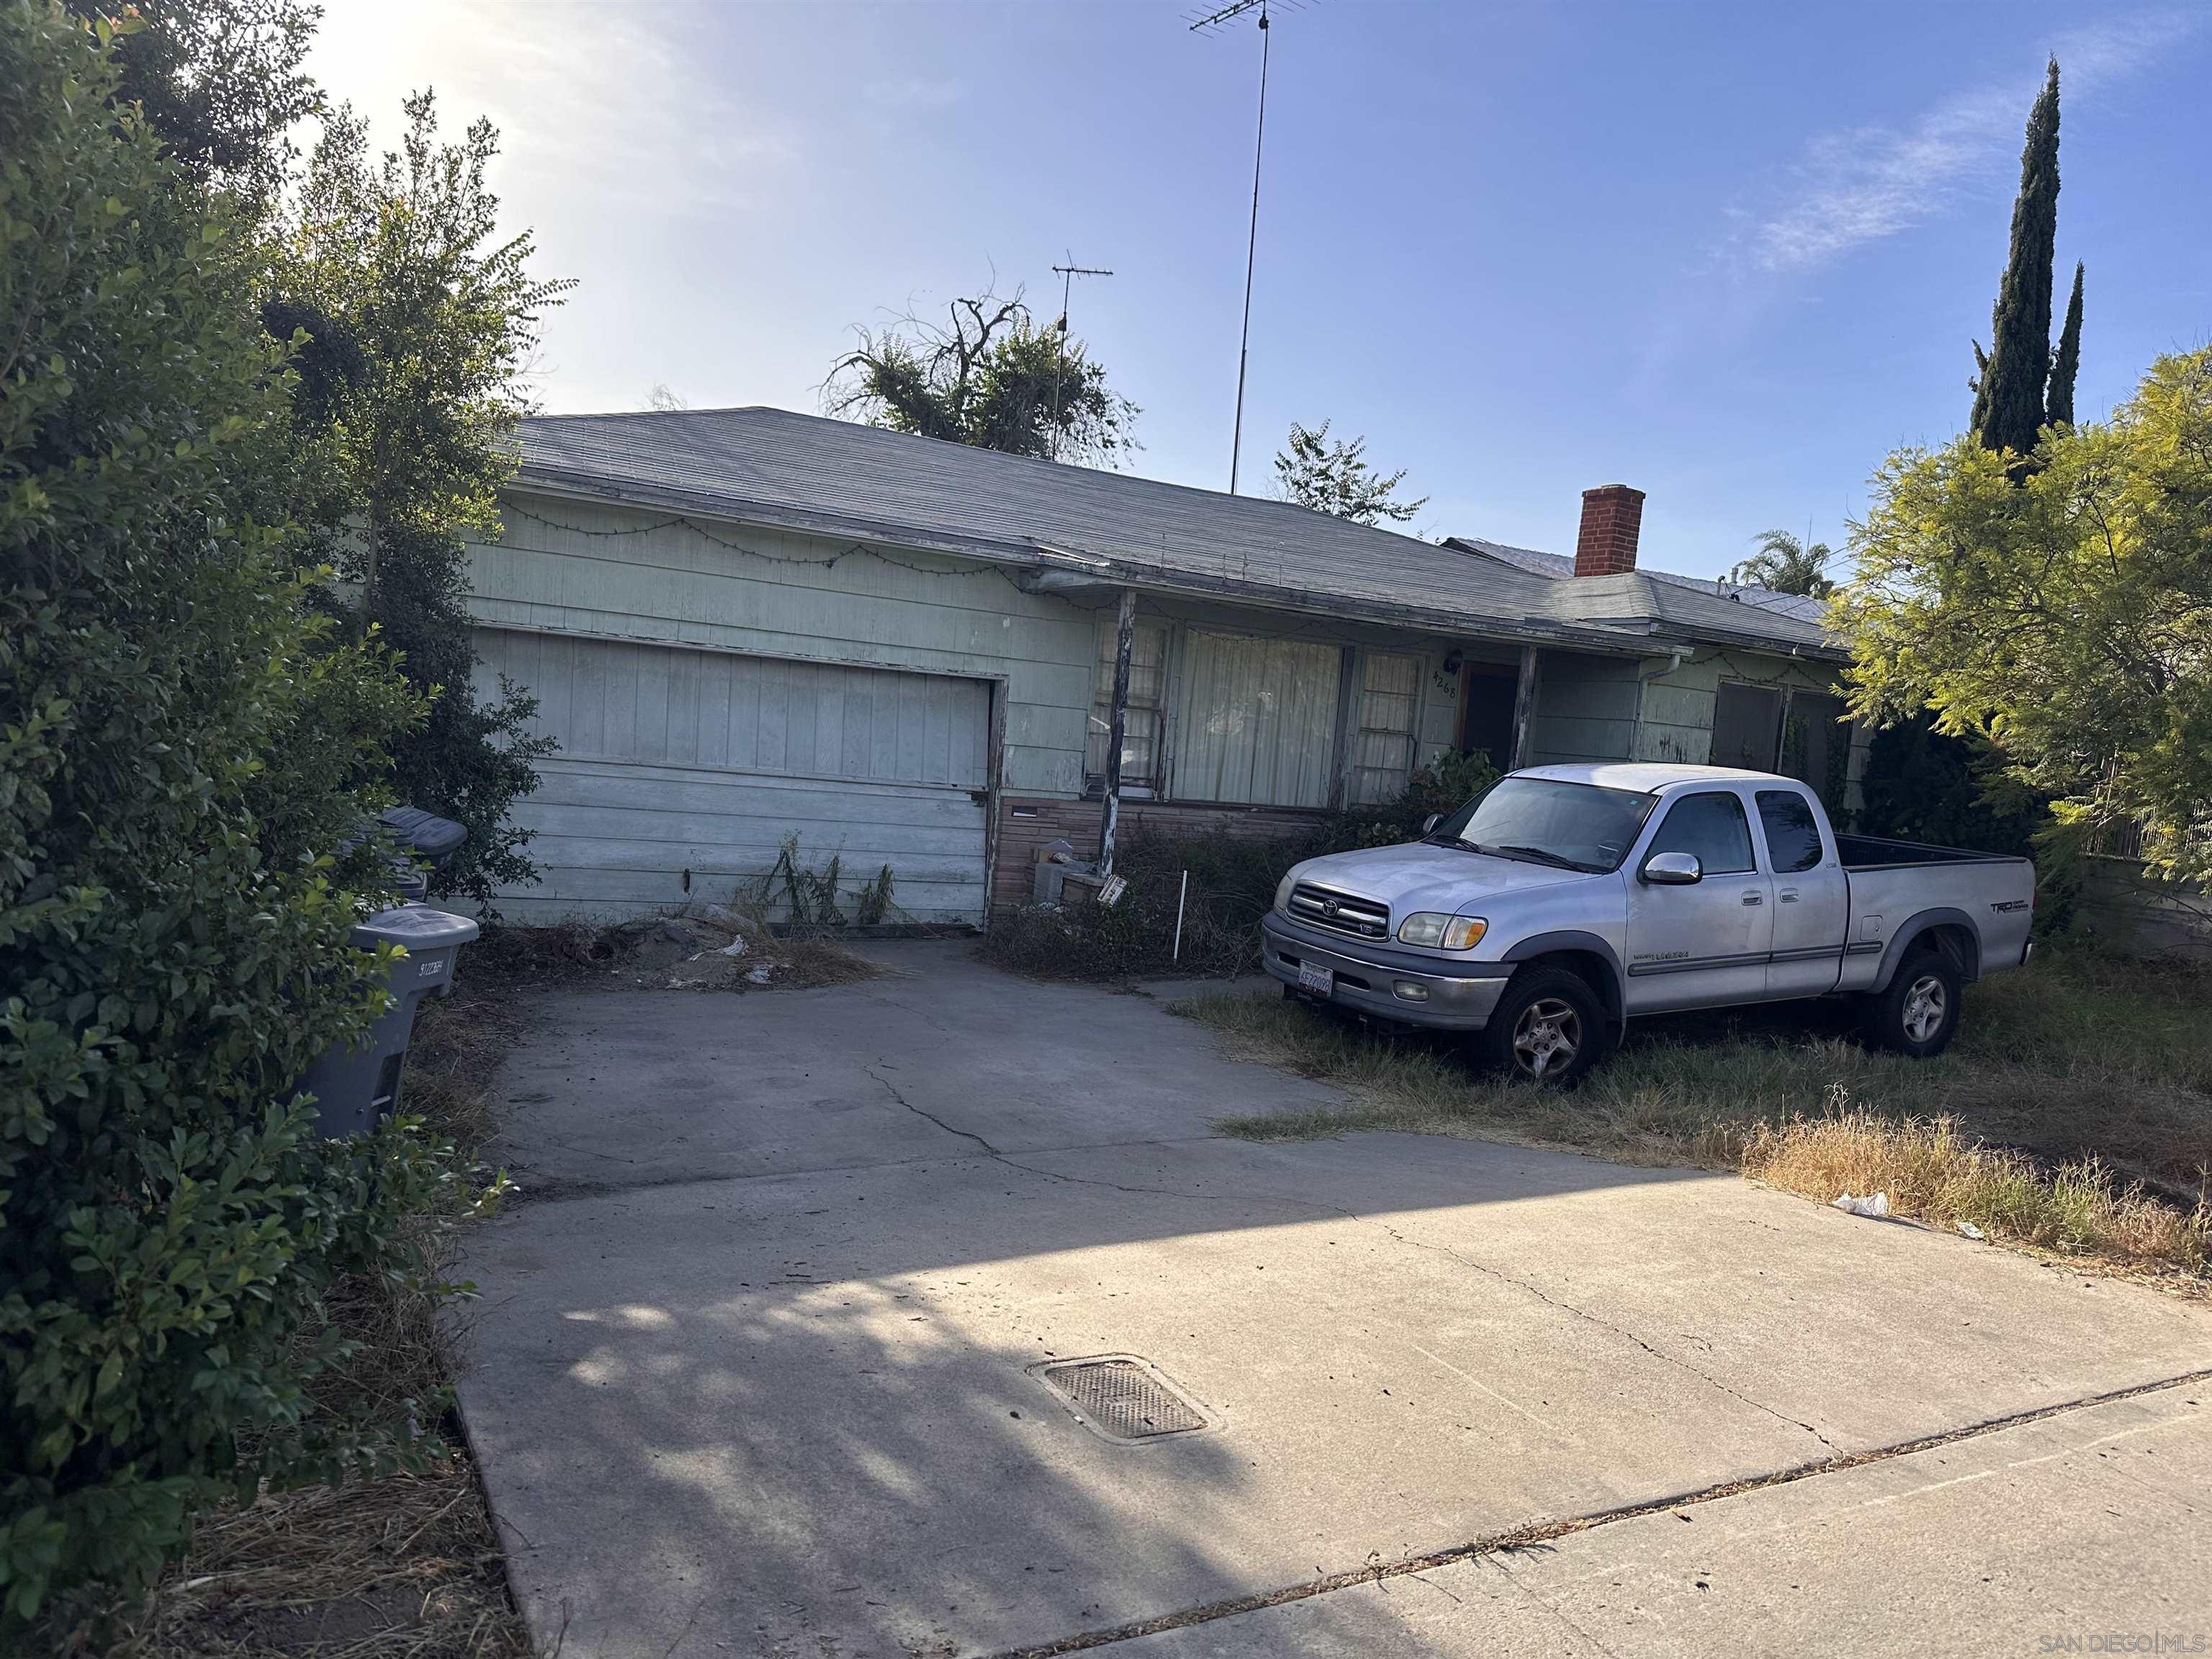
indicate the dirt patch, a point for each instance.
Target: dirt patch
{"x":715,"y":948}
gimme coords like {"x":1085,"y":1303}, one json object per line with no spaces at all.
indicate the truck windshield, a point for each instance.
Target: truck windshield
{"x":1575,"y":826}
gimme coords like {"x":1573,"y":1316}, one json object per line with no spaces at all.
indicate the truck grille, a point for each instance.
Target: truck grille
{"x":1340,"y":911}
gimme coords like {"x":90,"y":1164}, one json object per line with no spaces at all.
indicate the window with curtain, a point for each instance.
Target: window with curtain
{"x":1258,"y":720}
{"x":1390,"y":701}
{"x":1141,"y":734}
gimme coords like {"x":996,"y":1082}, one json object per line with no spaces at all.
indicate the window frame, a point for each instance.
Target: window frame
{"x":1359,"y":731}
{"x":1101,"y":712}
{"x":1758,"y":689}
{"x":1804,"y":797}
{"x":1751,"y":846}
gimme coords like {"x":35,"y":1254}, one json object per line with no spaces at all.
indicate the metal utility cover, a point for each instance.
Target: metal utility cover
{"x":1122,"y":1398}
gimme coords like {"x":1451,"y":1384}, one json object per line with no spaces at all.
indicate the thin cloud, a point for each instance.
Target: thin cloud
{"x":911,"y":93}
{"x":612,"y":102}
{"x":1862,"y":184}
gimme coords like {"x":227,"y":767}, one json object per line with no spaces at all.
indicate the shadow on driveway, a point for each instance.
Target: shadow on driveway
{"x":752,"y":1372}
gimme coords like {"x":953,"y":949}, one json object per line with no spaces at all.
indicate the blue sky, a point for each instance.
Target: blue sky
{"x":1731,"y":254}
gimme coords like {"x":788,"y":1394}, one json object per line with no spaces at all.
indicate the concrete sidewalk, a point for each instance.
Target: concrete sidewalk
{"x":754,"y":1372}
{"x":2090,"y":1527}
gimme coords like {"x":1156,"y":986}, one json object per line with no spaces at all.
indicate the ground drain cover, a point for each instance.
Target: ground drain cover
{"x":1122,"y":1397}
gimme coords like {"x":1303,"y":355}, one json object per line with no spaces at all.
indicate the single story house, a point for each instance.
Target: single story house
{"x":745,"y":624}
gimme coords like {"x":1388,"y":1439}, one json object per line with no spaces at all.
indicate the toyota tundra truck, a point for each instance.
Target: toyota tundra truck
{"x":1564,"y":901}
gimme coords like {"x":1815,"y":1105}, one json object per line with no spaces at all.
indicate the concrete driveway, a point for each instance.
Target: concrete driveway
{"x":757,"y":1367}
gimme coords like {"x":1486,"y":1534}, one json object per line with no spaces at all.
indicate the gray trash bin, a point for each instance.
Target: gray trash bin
{"x":356,"y":1088}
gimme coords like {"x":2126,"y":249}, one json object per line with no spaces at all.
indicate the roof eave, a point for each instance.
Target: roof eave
{"x":1632,"y":636}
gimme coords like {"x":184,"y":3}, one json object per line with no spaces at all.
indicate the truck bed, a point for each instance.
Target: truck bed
{"x":1891,"y":881}
{"x":1877,"y":852}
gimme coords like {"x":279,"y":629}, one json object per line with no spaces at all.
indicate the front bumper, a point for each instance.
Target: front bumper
{"x":1458,"y":996}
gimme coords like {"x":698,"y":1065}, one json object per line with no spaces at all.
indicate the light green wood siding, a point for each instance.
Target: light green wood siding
{"x":613,"y":573}
{"x":1677,"y":721}
{"x":1586,"y":709}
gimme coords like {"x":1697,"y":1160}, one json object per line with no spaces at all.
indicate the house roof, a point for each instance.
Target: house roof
{"x":1559,"y":566}
{"x":1071,"y":524}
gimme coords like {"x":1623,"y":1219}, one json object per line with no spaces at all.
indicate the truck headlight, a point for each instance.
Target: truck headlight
{"x":1440,"y":931}
{"x":1283,"y":891}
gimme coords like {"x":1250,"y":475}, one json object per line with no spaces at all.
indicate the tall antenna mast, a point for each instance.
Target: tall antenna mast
{"x":1067,"y":274}
{"x":1214,"y":19}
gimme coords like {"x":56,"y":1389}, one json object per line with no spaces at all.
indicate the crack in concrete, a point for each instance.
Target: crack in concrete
{"x":1603,"y":1324}
{"x":1529,"y":1537}
{"x":923,"y":1112}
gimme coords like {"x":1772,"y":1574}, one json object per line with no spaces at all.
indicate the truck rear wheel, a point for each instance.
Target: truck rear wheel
{"x":1548,"y":1027}
{"x":1917,"y":1012}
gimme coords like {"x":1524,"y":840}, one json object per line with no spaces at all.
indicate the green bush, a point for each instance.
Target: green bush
{"x":1232,"y":884}
{"x":181,"y":745}
{"x":1924,"y":785}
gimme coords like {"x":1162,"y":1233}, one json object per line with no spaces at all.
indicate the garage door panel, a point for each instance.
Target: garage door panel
{"x":749,"y":794}
{"x":674,"y":759}
{"x":661,"y":703}
{"x":632,"y":892}
{"x":861,"y":853}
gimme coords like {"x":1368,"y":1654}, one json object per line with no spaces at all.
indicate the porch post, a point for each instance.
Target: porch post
{"x":1524,"y":706}
{"x":1110,"y":820}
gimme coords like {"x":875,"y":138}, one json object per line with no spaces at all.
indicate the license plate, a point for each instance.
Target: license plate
{"x":1321,"y":982}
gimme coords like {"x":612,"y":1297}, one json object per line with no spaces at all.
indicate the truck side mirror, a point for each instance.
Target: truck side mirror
{"x":1429,"y":824}
{"x":1673,"y":870}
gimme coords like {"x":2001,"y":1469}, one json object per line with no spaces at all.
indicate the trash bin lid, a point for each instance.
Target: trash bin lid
{"x":416,"y":927}
{"x":430,"y":837}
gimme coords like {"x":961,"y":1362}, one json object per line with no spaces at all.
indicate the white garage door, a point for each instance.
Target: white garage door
{"x":681,"y":772}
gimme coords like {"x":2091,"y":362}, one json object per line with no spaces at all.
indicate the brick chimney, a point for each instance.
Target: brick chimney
{"x":1606,"y":545}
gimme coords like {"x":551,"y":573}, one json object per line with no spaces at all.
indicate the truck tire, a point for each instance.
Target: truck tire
{"x":1917,"y":1012}
{"x":1549,"y":1027}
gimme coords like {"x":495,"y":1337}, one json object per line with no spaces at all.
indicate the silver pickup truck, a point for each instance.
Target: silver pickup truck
{"x":1564,"y":901}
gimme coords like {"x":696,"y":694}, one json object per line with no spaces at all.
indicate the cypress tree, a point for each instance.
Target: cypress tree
{"x":2059,"y":405}
{"x":2008,"y":392}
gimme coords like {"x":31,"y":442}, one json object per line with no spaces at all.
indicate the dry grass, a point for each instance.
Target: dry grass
{"x":2073,"y":1113}
{"x":406,"y":1566}
{"x":1933,"y":1170}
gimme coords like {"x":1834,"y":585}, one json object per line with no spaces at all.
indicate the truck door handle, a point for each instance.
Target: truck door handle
{"x":1753,"y":898}
{"x":1790,"y":897}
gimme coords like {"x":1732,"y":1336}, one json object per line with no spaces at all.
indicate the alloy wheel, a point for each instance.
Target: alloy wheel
{"x":1546,"y":1037}
{"x":1925,"y":1004}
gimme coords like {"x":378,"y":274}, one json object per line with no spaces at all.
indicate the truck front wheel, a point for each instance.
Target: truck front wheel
{"x":1549,"y":1027}
{"x":1918,"y":1012}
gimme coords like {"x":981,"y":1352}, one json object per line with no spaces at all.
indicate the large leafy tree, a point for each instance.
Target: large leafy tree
{"x":989,"y":377}
{"x":2017,"y":386}
{"x":220,"y":83}
{"x":416,"y":318}
{"x":186,"y":745}
{"x":2064,"y":616}
{"x":1786,"y":565}
{"x":1336,"y":478}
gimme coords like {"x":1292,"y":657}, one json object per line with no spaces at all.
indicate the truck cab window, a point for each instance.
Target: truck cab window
{"x":1713,"y":828}
{"x":1793,"y":834}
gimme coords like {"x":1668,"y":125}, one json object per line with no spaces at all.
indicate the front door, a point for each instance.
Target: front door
{"x":1707,"y":942}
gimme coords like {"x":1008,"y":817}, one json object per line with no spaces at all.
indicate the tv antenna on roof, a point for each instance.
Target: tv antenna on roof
{"x":1067,"y":274}
{"x":1207,"y":21}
